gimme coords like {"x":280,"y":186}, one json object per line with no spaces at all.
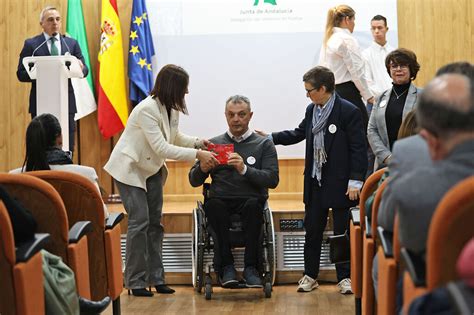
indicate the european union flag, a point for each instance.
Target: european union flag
{"x":140,"y":53}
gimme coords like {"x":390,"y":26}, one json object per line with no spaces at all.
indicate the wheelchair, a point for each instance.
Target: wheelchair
{"x":203,"y":239}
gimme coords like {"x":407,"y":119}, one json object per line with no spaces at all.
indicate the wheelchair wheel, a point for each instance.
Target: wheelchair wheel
{"x":208,"y":291}
{"x":268,"y":290}
{"x":269,"y":249}
{"x":198,"y":249}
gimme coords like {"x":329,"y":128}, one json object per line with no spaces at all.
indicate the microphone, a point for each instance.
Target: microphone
{"x":67,"y":47}
{"x":67,"y":63}
{"x":44,"y":42}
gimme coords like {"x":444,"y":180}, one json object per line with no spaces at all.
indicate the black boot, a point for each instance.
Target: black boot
{"x":162,"y":288}
{"x":93,"y":307}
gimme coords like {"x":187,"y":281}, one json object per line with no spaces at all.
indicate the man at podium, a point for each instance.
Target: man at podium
{"x":51,"y":43}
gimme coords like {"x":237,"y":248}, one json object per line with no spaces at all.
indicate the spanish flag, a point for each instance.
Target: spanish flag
{"x":112,"y":98}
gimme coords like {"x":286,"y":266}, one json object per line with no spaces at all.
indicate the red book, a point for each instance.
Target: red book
{"x":222,"y":150}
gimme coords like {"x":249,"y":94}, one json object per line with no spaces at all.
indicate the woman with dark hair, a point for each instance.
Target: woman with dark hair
{"x":43,"y":150}
{"x":137,"y":164}
{"x":43,"y":144}
{"x":393,"y":105}
{"x":341,"y":53}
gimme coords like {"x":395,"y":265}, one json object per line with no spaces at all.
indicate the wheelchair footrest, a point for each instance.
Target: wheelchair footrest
{"x":241,"y":285}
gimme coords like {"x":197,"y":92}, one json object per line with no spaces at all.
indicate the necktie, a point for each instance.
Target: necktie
{"x":54,"y":48}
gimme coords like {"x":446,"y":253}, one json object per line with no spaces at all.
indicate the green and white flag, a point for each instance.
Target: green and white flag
{"x":83,"y":88}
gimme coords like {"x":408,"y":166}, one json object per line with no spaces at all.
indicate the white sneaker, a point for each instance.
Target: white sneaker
{"x":307,"y":284}
{"x":345,"y":286}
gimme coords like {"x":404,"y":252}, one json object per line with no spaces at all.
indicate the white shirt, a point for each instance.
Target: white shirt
{"x":57,"y":42}
{"x":376,"y":72}
{"x":243,"y":137}
{"x":343,"y":57}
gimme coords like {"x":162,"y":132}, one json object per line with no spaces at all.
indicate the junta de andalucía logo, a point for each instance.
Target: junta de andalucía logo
{"x":272,"y":2}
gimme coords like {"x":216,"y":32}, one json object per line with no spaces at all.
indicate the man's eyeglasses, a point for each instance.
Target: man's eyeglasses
{"x":310,"y":90}
{"x":395,"y":66}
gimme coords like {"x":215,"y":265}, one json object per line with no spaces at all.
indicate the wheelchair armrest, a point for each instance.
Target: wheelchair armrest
{"x":355,"y":215}
{"x":78,"y":230}
{"x":368,"y":228}
{"x":415,"y":266}
{"x":27,"y":250}
{"x":386,"y":239}
{"x":113,"y":219}
{"x":200,"y":205}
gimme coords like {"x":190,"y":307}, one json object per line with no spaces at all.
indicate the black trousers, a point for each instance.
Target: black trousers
{"x":315,"y":221}
{"x":218,"y":212}
{"x":72,"y":130}
{"x":349,"y":92}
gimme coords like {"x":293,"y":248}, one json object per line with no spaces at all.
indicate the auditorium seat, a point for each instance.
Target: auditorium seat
{"x":48,"y":210}
{"x":368,"y":252}
{"x":450,"y":229}
{"x":388,"y":269}
{"x":84,"y":203}
{"x":21,"y":273}
{"x":357,"y":224}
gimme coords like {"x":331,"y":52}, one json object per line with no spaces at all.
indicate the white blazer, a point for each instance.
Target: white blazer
{"x":148,"y":140}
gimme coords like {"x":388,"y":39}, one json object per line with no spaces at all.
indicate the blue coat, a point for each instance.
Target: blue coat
{"x":30,"y":45}
{"x":346,"y":153}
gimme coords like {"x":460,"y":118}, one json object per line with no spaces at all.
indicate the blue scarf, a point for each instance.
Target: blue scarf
{"x":319,"y":124}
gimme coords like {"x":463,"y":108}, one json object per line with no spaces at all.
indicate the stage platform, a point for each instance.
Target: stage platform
{"x":177,"y":244}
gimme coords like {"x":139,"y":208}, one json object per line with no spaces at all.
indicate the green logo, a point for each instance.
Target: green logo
{"x":272,"y":2}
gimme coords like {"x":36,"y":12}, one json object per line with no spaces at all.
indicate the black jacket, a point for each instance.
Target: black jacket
{"x":346,"y":152}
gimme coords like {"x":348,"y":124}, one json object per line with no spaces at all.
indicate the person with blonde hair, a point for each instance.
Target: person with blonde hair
{"x":341,"y":53}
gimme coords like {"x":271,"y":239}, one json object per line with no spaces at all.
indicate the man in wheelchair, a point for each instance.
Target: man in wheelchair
{"x":239,"y":186}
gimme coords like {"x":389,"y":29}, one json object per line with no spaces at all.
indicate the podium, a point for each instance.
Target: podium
{"x":52,"y":97}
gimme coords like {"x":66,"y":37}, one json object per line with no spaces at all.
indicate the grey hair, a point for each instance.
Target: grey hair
{"x":46,"y":9}
{"x":238,"y":99}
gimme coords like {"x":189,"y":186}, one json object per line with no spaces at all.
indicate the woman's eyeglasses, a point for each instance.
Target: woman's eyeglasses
{"x":395,"y":66}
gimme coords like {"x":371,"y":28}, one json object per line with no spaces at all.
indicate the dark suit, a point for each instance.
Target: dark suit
{"x":346,"y":159}
{"x":67,"y":45}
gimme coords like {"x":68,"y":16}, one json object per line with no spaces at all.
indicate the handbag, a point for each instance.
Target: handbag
{"x":60,"y":293}
{"x":339,"y":248}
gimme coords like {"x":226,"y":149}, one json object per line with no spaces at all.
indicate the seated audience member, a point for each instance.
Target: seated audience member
{"x":410,"y":154}
{"x":240,"y":186}
{"x":393,"y":104}
{"x":446,"y":118}
{"x":44,"y":151}
{"x":438,"y":301}
{"x":408,"y":128}
{"x":60,"y":295}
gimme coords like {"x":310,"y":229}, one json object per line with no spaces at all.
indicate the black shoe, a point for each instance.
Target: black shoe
{"x":164,"y":289}
{"x":142,"y":292}
{"x":252,"y":277}
{"x":93,"y":307}
{"x":228,"y":277}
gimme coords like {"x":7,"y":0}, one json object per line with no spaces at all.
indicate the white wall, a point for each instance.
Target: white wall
{"x":233,"y":47}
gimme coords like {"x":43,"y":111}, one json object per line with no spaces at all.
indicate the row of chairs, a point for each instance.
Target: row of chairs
{"x":67,"y":207}
{"x":448,"y":233}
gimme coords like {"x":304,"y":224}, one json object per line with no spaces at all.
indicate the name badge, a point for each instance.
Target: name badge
{"x":383,"y":103}
{"x":332,"y":128}
{"x":251,"y":160}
